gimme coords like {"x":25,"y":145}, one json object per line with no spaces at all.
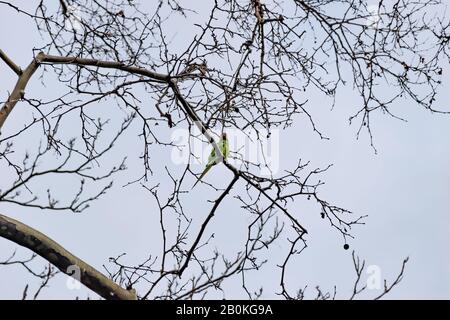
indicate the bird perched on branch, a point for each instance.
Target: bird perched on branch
{"x":214,"y":159}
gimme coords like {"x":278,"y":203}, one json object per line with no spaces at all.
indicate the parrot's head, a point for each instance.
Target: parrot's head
{"x":224,"y":136}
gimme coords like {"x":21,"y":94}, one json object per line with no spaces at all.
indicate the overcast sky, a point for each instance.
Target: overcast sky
{"x":404,"y":189}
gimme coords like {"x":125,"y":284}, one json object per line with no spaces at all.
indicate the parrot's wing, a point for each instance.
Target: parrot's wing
{"x":212,"y":157}
{"x":225,"y":148}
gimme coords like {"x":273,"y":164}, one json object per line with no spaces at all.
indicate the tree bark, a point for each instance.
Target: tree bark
{"x":19,"y":90}
{"x":61,"y":258}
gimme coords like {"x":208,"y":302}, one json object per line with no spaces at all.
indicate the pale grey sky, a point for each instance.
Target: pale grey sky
{"x":404,"y":189}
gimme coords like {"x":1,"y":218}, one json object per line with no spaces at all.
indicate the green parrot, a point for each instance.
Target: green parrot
{"x":224,"y":149}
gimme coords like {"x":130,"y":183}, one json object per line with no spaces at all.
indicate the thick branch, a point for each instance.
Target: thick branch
{"x":19,"y":90}
{"x":104,"y":64}
{"x":65,"y":261}
{"x":10,"y":63}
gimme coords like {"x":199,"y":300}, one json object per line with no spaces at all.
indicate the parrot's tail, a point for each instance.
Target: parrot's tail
{"x":202,"y":175}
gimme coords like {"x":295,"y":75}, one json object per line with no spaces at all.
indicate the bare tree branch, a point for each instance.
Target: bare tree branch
{"x":248,"y":66}
{"x":54,"y":253}
{"x":10,"y":63}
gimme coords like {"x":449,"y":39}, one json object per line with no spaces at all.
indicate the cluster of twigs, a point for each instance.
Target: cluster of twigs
{"x":248,"y":66}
